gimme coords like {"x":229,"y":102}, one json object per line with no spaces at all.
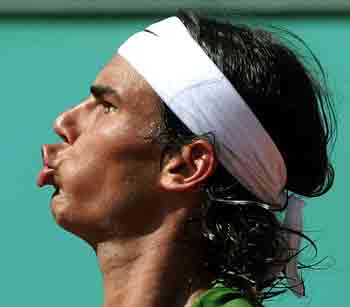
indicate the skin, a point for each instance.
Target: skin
{"x":115,"y":195}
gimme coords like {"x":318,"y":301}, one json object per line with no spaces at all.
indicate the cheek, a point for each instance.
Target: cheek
{"x":97,"y":167}
{"x":82,"y":175}
{"x":100,"y":183}
{"x":82,"y":202}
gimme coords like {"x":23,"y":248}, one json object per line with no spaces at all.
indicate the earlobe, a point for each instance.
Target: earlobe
{"x":189,"y":168}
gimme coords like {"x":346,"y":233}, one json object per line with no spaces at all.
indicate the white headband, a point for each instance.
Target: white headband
{"x":192,"y":86}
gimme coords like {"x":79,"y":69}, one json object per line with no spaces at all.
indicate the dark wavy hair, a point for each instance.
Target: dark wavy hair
{"x":244,"y":241}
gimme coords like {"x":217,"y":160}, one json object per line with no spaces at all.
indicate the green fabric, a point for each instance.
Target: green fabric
{"x":220,"y":296}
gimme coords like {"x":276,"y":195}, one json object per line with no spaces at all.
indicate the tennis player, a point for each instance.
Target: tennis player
{"x":187,"y":167}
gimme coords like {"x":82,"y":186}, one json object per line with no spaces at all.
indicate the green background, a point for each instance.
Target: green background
{"x":47,"y":65}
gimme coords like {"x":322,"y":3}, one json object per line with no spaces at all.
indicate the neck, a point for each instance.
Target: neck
{"x":155,"y":270}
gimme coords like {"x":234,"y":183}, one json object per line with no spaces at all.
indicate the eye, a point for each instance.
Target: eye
{"x":108,"y":107}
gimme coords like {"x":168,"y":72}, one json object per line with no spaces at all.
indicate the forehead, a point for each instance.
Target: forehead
{"x":132,"y":89}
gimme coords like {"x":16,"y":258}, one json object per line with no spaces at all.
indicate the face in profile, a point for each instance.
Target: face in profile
{"x":106,"y":170}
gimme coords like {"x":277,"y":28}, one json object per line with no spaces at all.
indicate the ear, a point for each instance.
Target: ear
{"x":189,"y":168}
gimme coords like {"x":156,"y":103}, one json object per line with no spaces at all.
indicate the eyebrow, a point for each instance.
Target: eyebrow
{"x":98,"y":91}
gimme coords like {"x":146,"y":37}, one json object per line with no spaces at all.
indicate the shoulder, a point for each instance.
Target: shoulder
{"x":220,"y":296}
{"x":238,"y":302}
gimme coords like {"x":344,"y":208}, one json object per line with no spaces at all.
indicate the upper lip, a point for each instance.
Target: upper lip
{"x":51,"y":157}
{"x":46,"y":153}
{"x":45,"y":156}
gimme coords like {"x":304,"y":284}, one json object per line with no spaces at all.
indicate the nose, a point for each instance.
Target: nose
{"x":66,"y":125}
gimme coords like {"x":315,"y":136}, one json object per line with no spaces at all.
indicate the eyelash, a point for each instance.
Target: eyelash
{"x":107,"y":106}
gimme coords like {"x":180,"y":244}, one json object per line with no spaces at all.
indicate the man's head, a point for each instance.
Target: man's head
{"x":115,"y":179}
{"x":112,"y":176}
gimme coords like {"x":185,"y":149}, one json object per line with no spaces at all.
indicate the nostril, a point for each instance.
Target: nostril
{"x":64,"y":138}
{"x":60,"y":132}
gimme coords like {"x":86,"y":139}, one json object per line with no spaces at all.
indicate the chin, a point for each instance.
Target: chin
{"x":71,"y":219}
{"x":63,"y":215}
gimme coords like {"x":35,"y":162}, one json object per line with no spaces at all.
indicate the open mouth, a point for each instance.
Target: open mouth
{"x":57,"y":191}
